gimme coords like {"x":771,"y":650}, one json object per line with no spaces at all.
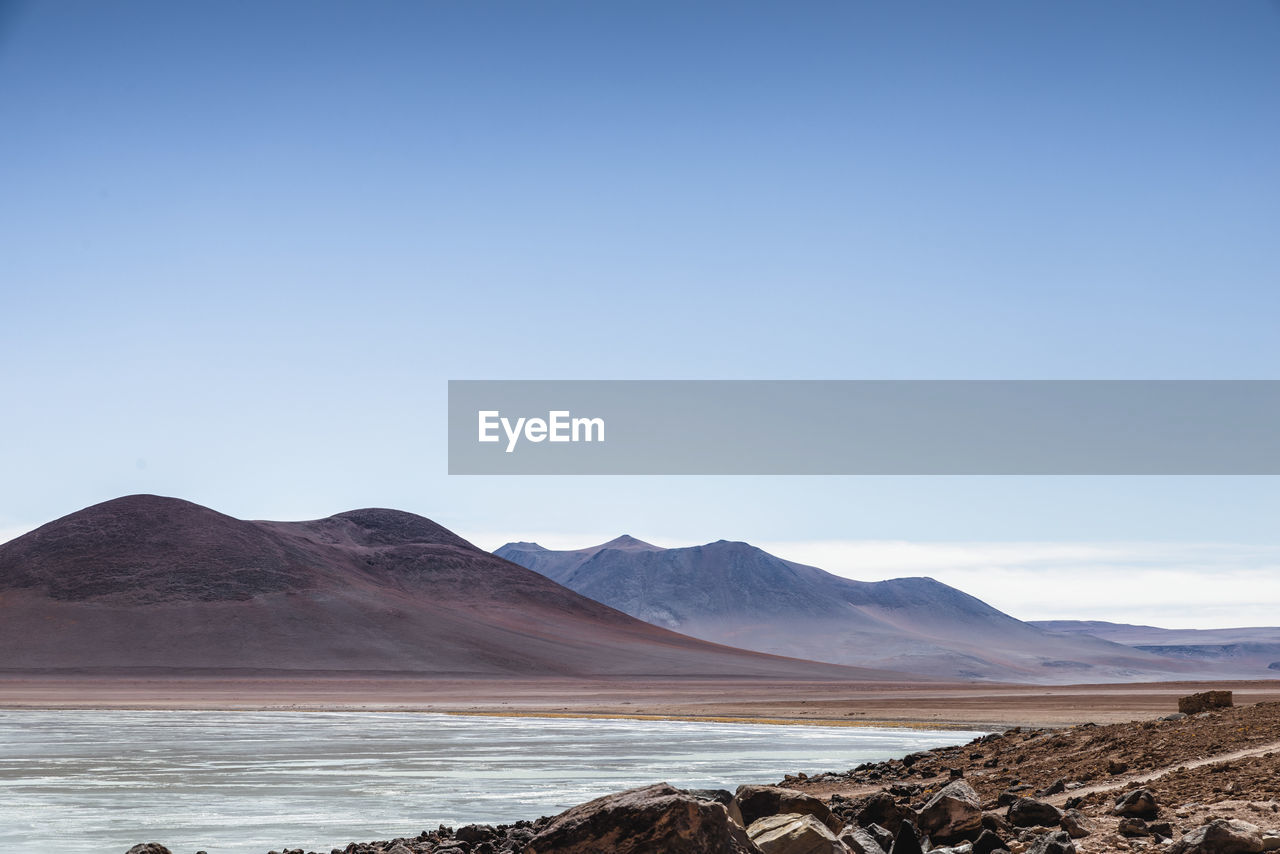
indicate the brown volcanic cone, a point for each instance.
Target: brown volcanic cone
{"x":151,"y":582}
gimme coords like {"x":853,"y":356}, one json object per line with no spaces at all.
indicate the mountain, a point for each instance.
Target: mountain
{"x":1254,"y":648}
{"x":145,"y":582}
{"x":737,"y":594}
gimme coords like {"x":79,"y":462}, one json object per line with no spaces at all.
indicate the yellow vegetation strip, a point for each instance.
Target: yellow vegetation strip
{"x":718,"y":719}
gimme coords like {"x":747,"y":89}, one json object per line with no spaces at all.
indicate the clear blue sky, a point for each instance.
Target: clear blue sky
{"x":244,"y":245}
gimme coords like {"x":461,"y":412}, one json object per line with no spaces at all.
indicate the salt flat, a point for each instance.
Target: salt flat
{"x":87,"y":782}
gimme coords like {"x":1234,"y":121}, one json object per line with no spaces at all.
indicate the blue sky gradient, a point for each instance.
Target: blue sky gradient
{"x":243,"y":246}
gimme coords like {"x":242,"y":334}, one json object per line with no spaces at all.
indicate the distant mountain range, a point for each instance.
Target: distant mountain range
{"x":734,"y":593}
{"x":1225,"y":649}
{"x":145,"y":584}
{"x":153,"y":584}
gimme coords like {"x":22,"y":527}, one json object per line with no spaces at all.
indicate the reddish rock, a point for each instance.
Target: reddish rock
{"x":642,"y":821}
{"x":753,"y":803}
{"x":953,"y":814}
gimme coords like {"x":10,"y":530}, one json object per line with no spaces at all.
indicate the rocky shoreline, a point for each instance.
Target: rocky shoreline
{"x":1202,"y":783}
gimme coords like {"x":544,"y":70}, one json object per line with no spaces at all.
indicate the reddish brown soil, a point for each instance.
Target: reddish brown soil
{"x":1220,"y":764}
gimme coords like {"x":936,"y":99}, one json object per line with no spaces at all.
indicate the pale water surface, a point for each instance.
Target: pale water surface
{"x":92,"y":782}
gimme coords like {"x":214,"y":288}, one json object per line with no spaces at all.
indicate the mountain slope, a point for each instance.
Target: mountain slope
{"x":734,"y":593}
{"x":160,"y":583}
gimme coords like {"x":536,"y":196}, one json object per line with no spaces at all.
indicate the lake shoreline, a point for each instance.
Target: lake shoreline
{"x":915,"y":705}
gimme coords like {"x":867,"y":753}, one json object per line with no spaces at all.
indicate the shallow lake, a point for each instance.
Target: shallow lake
{"x":75,"y":782}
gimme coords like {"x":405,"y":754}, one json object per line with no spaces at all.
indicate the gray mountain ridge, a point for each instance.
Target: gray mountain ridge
{"x":1256,"y":647}
{"x":737,"y":594}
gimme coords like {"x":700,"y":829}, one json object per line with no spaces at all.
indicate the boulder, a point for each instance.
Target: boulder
{"x":1028,"y":812}
{"x":1138,"y":803}
{"x":638,"y":821}
{"x":794,"y":833}
{"x":953,"y":814}
{"x":988,"y":842}
{"x":753,"y":803}
{"x":1057,"y":842}
{"x":1056,"y":787}
{"x":906,"y":841}
{"x":473,"y":833}
{"x":997,"y":824}
{"x":1132,"y":827}
{"x":1220,"y":836}
{"x":860,"y":841}
{"x":1077,"y":824}
{"x":912,"y":758}
{"x":884,"y":837}
{"x":1203,"y":702}
{"x":962,"y":848}
{"x":149,"y":848}
{"x":882,"y":809}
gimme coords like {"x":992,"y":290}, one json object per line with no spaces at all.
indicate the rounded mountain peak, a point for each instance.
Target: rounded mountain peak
{"x":626,"y":541}
{"x":149,"y":548}
{"x":378,"y":526}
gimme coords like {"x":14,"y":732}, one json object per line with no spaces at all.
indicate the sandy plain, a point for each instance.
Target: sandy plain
{"x":965,"y":705}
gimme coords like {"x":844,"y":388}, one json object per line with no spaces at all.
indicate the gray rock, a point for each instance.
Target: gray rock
{"x":962,"y":848}
{"x":860,"y":841}
{"x":1132,"y":827}
{"x":1077,"y":824}
{"x":794,"y":833}
{"x":639,"y":821}
{"x":1057,"y":786}
{"x":1028,"y":812}
{"x":1220,"y":837}
{"x":884,"y":837}
{"x":149,"y":848}
{"x":1057,"y":842}
{"x":953,"y":814}
{"x":1138,"y":803}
